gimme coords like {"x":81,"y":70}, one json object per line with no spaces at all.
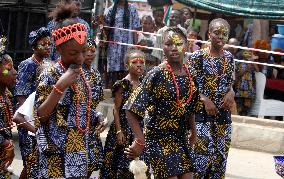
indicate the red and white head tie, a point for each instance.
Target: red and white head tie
{"x":76,"y":31}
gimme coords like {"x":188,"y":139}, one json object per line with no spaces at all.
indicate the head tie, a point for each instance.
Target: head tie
{"x":76,"y":31}
{"x":36,"y":35}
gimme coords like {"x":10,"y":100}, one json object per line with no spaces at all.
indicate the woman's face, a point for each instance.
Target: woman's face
{"x":43,"y":47}
{"x":158,"y":16}
{"x":247,"y":54}
{"x":89,"y":57}
{"x":147,"y":25}
{"x":175,"y":46}
{"x":8,"y":74}
{"x":219,"y":35}
{"x":136,"y":64}
{"x":72,"y":52}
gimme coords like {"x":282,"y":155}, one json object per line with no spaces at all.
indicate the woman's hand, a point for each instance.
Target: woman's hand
{"x":135,"y":149}
{"x":102,"y":124}
{"x":68,"y":78}
{"x":210,"y":107}
{"x":228,"y":100}
{"x":120,"y":138}
{"x":192,"y":138}
{"x":9,"y":154}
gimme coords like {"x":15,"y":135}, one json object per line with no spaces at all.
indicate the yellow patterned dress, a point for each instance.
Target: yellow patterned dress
{"x":4,"y":135}
{"x":64,"y":151}
{"x":166,"y":125}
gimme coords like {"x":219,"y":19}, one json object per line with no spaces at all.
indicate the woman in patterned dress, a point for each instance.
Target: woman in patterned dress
{"x":7,"y":80}
{"x":65,"y":106}
{"x":120,"y":15}
{"x":214,"y":67}
{"x":169,"y":94}
{"x":28,"y":72}
{"x":94,"y":77}
{"x":120,"y":136}
{"x":245,"y":84}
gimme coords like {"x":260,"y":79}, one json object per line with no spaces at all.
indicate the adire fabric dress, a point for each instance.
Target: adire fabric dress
{"x":116,"y":164}
{"x":166,"y":125}
{"x":4,"y":135}
{"x":64,"y":151}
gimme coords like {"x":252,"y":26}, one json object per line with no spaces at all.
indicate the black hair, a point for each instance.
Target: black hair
{"x":146,"y":16}
{"x":126,"y":14}
{"x":186,"y":8}
{"x":218,"y":20}
{"x":154,"y":10}
{"x":192,"y":29}
{"x":175,"y":30}
{"x":63,"y":14}
{"x":131,"y":51}
{"x":177,"y":10}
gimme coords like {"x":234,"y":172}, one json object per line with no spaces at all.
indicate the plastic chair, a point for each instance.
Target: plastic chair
{"x":265,"y":107}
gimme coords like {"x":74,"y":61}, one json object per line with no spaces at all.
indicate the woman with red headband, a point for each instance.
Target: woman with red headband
{"x":120,"y":136}
{"x":65,"y":106}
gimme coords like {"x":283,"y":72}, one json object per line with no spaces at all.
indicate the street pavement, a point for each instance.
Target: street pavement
{"x":242,"y":164}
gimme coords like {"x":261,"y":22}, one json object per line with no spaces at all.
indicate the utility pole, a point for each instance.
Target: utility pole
{"x":99,"y":9}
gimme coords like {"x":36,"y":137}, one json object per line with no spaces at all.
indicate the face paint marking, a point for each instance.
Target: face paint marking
{"x":177,"y":41}
{"x":136,"y":60}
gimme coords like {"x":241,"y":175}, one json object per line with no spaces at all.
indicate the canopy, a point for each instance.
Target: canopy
{"x":261,"y":9}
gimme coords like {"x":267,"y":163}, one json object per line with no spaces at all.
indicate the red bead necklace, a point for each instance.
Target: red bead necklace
{"x":78,"y":100}
{"x":61,"y":65}
{"x":214,"y":68}
{"x":190,"y":91}
{"x":8,"y":112}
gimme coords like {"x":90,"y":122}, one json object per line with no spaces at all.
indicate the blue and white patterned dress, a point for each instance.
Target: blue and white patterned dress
{"x":115,"y":52}
{"x":64,"y":151}
{"x":214,"y":79}
{"x":25,"y":85}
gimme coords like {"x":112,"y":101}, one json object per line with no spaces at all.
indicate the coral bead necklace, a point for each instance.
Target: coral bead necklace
{"x":8,"y":111}
{"x":190,"y":91}
{"x":77,"y":96}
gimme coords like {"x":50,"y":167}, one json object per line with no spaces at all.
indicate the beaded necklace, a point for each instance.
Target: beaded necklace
{"x":35,"y":60}
{"x":78,"y":100}
{"x":213,"y":67}
{"x":8,"y":112}
{"x":190,"y":91}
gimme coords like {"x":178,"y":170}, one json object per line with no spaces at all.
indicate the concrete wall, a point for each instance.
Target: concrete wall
{"x":258,"y":134}
{"x":250,"y":133}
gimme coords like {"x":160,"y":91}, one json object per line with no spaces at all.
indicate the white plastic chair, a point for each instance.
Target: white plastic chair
{"x":265,"y":107}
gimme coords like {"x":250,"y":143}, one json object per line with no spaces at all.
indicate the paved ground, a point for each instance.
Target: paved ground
{"x":242,"y":164}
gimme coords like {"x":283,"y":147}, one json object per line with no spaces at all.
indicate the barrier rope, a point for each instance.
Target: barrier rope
{"x":202,"y":41}
{"x":188,"y":53}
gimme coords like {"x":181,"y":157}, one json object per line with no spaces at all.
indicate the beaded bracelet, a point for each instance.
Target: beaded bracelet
{"x":57,"y":90}
{"x":10,"y":146}
{"x":139,"y":143}
{"x":119,"y":131}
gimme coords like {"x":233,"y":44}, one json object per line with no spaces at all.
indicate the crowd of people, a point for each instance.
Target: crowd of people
{"x":171,"y":109}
